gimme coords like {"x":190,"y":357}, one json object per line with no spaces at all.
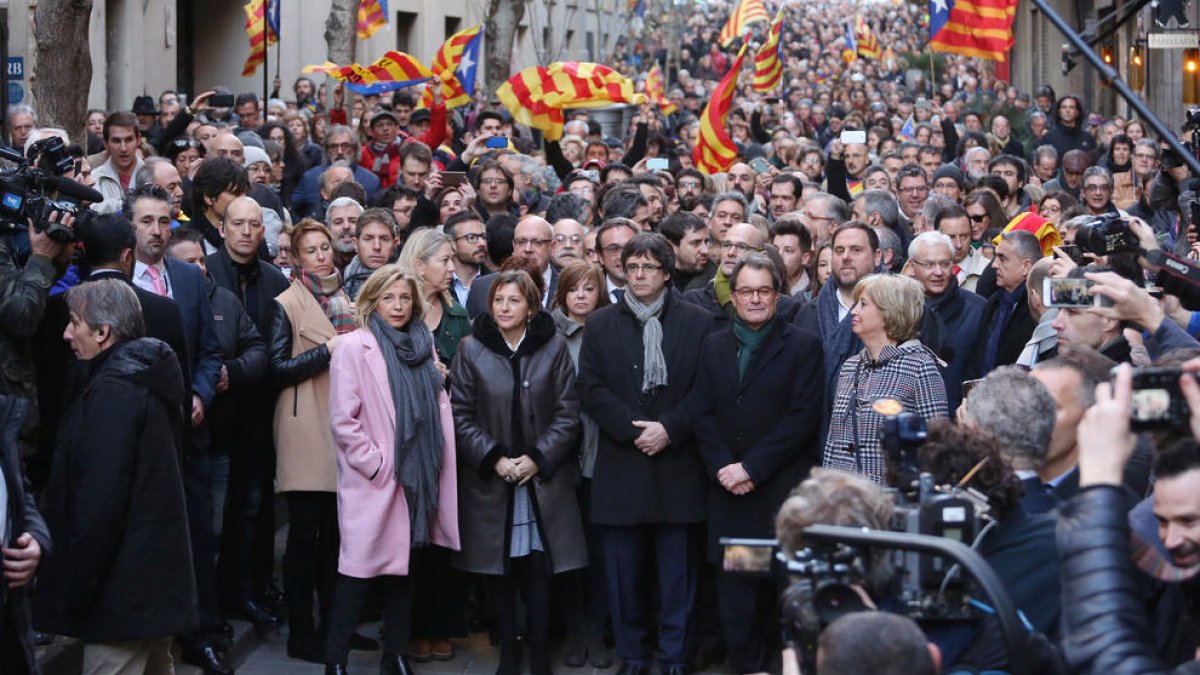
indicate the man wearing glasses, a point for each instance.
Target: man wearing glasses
{"x":715,"y":297}
{"x":531,"y":240}
{"x":341,"y":149}
{"x":1097,"y":192}
{"x":467,"y":232}
{"x":931,"y":255}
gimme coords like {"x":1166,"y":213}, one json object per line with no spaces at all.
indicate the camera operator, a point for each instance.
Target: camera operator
{"x":878,"y":643}
{"x":1105,"y":627}
{"x":1134,"y":304}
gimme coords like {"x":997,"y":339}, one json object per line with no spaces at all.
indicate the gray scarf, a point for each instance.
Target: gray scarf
{"x":415,"y":384}
{"x":654,"y":366}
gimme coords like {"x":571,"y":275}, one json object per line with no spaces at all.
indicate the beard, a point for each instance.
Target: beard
{"x":343,"y":246}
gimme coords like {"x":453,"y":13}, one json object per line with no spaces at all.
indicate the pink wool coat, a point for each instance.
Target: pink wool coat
{"x":372,"y":510}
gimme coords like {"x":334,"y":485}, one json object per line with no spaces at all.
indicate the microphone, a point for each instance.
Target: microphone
{"x":73,"y":190}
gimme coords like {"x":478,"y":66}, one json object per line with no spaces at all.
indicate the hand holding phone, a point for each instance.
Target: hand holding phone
{"x":853,"y":136}
{"x":657,"y":164}
{"x":760,"y":165}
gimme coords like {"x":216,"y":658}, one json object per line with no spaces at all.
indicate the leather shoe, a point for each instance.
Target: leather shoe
{"x":394,"y":664}
{"x":335,"y":669}
{"x":256,"y":613}
{"x":633,"y":669}
{"x":270,"y":594}
{"x":207,"y":658}
{"x":419,"y":650}
{"x":441,"y":650}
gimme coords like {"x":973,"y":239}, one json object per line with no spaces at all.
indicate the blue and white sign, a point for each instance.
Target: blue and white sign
{"x":16,"y":93}
{"x":16,"y":68}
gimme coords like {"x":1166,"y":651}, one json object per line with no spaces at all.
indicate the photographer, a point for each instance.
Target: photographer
{"x":1105,"y":627}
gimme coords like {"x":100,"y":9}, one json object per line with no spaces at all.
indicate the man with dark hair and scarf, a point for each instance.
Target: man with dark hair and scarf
{"x":636,"y":365}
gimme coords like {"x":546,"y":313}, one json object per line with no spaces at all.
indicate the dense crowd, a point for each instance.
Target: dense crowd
{"x":526,"y":387}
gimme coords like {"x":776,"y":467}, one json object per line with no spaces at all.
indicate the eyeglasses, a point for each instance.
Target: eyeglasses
{"x":573,"y":238}
{"x":339,"y":146}
{"x":931,"y":264}
{"x":742,"y":248}
{"x":978,"y":217}
{"x":689,"y":185}
{"x":472,"y":238}
{"x":754,"y":293}
{"x":636,"y":268}
{"x":522,"y":243}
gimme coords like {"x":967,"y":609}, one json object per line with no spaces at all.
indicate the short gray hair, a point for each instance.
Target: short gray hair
{"x":145,"y":173}
{"x":339,"y":203}
{"x":1018,"y":411}
{"x":108,"y":302}
{"x":22,"y":109}
{"x":882,"y":202}
{"x":757,"y":261}
{"x":730,"y":197}
{"x":1099,"y":171}
{"x":930,"y":238}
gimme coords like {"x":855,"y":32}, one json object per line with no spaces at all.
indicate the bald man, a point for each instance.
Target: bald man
{"x":532,"y":240}
{"x":226,"y":144}
{"x":740,"y":240}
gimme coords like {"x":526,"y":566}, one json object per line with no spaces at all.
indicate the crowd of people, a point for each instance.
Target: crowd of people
{"x":527,"y":387}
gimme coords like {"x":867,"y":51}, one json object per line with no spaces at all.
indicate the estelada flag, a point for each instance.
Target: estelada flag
{"x":536,"y":96}
{"x":394,"y":70}
{"x":456,"y":62}
{"x":768,"y":63}
{"x":372,"y":15}
{"x":868,"y":46}
{"x":849,"y":46}
{"x":978,"y":28}
{"x":656,"y":92}
{"x":746,"y":13}
{"x":261,"y":31}
{"x":715,"y":151}
{"x":1039,"y":227}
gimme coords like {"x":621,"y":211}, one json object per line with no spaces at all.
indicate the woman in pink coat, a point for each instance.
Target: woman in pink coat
{"x":394,"y":433}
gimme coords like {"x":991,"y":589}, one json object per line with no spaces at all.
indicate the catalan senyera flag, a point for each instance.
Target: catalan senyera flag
{"x":394,"y":70}
{"x":456,"y":62}
{"x":656,"y":91}
{"x":261,"y":33}
{"x":746,"y":13}
{"x":715,"y":151}
{"x":868,"y":45}
{"x":1048,"y":235}
{"x":372,"y":15}
{"x":768,"y":64}
{"x":536,"y":96}
{"x":977,"y":28}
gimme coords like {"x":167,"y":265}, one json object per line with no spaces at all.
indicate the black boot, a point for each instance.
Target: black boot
{"x":394,"y":664}
{"x":335,"y":669}
{"x":510,"y":658}
{"x":576,"y":653}
{"x":539,"y":659}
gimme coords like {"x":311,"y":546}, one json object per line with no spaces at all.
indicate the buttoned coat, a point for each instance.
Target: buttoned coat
{"x":769,"y":420}
{"x":372,"y":508}
{"x":630,"y":487}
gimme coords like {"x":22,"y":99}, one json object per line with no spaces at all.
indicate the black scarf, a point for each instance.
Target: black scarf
{"x":415,"y":383}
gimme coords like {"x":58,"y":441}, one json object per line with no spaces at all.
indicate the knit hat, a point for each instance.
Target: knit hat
{"x":255,"y":155}
{"x":951,"y":171}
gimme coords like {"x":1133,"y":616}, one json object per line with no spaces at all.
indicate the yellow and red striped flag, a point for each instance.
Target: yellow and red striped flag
{"x":456,"y":62}
{"x":260,"y":35}
{"x":394,"y":70}
{"x":715,"y":151}
{"x":768,"y":65}
{"x":656,"y":92}
{"x":536,"y":96}
{"x":372,"y":15}
{"x":746,"y":13}
{"x":978,"y":28}
{"x":868,"y":45}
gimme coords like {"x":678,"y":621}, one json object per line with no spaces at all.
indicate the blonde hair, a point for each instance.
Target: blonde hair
{"x":420,"y":247}
{"x":375,"y":285}
{"x":900,"y":299}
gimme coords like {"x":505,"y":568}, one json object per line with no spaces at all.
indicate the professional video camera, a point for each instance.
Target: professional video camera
{"x":826,"y":579}
{"x":1105,"y":235}
{"x":26,"y":190}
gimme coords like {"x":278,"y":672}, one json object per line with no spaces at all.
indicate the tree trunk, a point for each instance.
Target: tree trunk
{"x":501,"y":21}
{"x":341,"y":36}
{"x":62,"y":74}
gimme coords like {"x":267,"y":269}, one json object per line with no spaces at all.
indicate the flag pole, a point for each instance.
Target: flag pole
{"x":266,"y":68}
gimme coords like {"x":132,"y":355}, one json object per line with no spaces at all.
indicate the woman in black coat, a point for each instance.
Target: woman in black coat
{"x":759,"y":401}
{"x":122,"y":569}
{"x":516,"y":416}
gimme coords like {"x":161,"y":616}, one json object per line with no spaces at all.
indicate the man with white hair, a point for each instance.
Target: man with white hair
{"x":342,"y":219}
{"x":22,"y":120}
{"x":931,"y":256}
{"x":162,"y":172}
{"x":975,"y":161}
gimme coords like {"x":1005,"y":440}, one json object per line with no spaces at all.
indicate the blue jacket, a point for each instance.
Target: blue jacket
{"x":204,"y":350}
{"x":308,"y":194}
{"x":960,"y":311}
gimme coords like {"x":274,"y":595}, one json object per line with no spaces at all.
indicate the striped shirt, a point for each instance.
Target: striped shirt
{"x":908,"y":374}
